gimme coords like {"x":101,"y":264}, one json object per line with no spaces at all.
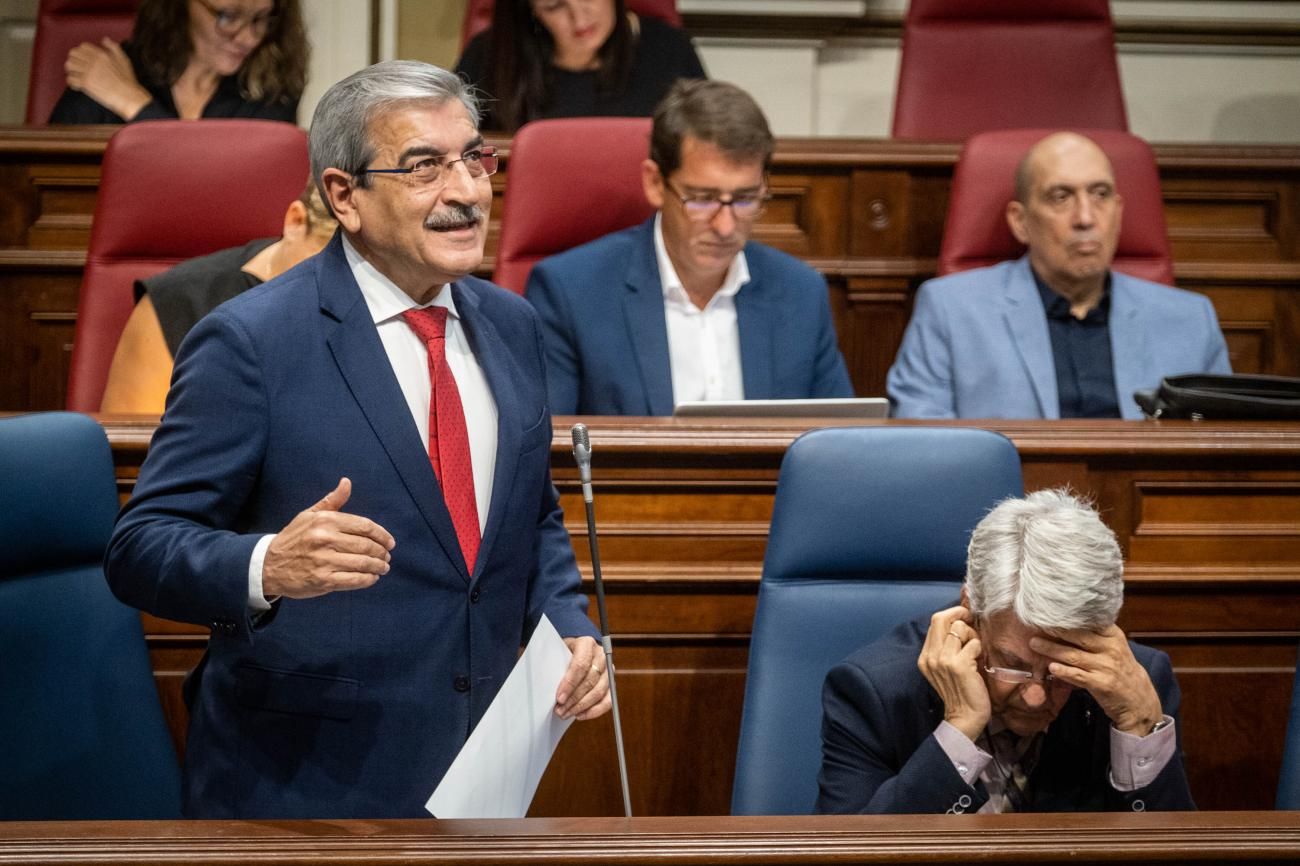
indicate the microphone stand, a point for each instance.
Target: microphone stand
{"x":582,"y":455}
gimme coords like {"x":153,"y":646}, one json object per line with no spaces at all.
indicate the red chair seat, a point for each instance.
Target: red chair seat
{"x":171,"y":190}
{"x":572,"y":180}
{"x":974,"y":65}
{"x":976,"y":234}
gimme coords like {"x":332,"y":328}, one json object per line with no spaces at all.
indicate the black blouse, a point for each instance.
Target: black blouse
{"x":189,"y":291}
{"x":76,"y":107}
{"x":663,"y":55}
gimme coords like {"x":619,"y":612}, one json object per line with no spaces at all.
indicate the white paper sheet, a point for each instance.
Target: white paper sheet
{"x":497,"y":772}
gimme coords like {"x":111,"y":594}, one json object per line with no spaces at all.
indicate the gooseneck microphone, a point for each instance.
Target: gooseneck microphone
{"x":582,"y":455}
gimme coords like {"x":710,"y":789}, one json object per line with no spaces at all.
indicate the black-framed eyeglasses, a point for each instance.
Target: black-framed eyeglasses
{"x":230,"y":22}
{"x":433,"y":170}
{"x":703,"y":207}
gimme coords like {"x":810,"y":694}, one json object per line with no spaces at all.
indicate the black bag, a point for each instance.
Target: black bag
{"x":1210,"y":396}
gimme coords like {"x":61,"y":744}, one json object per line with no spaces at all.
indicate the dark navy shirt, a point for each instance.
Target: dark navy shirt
{"x":1085,"y":370}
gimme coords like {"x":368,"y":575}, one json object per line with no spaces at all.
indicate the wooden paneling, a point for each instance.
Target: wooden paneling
{"x":1261,"y":838}
{"x":1208,"y":516}
{"x":866,"y":213}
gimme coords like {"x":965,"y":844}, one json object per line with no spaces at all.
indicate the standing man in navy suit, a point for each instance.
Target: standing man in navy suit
{"x":1056,"y":333}
{"x":351,"y":485}
{"x":685,"y":307}
{"x":1025,"y":697}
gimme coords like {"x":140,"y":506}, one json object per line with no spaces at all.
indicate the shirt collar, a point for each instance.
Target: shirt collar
{"x":737,"y":273}
{"x":1058,"y":306}
{"x":383,"y":297}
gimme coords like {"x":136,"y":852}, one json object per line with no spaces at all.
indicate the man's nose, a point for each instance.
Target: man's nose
{"x":460,"y":185}
{"x":724,"y":221}
{"x":1034,"y":695}
{"x":1084,"y":212}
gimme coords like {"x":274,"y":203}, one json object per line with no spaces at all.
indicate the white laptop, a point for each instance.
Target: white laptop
{"x":838,"y":407}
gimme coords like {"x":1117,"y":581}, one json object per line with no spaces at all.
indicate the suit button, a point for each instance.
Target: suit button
{"x":460,"y":684}
{"x":473,"y":595}
{"x":964,"y":801}
{"x":1139,"y":806}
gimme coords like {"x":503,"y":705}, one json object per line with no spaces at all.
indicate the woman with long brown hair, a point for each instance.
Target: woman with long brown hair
{"x":192,"y":59}
{"x":574,"y":58}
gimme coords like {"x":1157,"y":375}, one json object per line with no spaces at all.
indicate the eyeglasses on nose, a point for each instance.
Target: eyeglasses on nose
{"x":434,"y":170}
{"x":230,"y":22}
{"x":703,"y":207}
{"x":1019,"y":677}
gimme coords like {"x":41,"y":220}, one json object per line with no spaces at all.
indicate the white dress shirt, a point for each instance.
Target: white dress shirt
{"x":410,"y":361}
{"x":703,"y":345}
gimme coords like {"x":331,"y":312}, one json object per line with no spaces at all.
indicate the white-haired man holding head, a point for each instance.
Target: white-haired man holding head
{"x":1026,"y":696}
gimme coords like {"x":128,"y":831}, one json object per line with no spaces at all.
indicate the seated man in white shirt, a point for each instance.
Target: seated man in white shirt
{"x":1024,"y":697}
{"x":684,"y":306}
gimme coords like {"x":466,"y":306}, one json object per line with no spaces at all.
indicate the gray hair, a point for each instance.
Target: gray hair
{"x":1050,"y":559}
{"x":340,"y":126}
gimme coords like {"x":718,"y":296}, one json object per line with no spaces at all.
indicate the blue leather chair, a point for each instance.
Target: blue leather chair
{"x":869,"y":529}
{"x":1288,"y":785}
{"x":82,"y":734}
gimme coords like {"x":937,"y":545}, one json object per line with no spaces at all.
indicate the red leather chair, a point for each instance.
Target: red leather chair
{"x":973,"y":65}
{"x":61,"y":25}
{"x":572,"y":180}
{"x":171,"y":190}
{"x":478,"y":15}
{"x":976,"y":234}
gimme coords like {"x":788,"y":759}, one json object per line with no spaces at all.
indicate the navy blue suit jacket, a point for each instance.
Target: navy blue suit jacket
{"x":879,"y":754}
{"x":351,"y":704}
{"x":602,"y":311}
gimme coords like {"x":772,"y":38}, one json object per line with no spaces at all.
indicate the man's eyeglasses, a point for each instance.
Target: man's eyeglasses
{"x":434,"y":170}
{"x":230,"y":23}
{"x":703,"y":207}
{"x":1019,"y":677}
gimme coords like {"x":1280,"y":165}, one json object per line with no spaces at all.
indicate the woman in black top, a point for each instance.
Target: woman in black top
{"x":574,"y":58}
{"x":191,"y":59}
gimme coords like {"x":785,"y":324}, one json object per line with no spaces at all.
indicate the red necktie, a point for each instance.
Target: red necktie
{"x":448,"y":436}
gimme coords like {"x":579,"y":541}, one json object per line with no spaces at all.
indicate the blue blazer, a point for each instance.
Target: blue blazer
{"x":978,"y":345}
{"x":880,"y":756}
{"x":602,"y":311}
{"x":351,"y":704}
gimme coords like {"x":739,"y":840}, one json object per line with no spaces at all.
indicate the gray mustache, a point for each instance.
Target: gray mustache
{"x":454,"y":216}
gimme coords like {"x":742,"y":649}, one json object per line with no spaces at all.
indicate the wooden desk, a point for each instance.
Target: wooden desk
{"x":1208,"y":516}
{"x":1198,"y":837}
{"x":866,"y":213}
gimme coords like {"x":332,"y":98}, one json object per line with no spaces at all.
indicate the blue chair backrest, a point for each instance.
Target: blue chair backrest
{"x":82,"y":734}
{"x":869,"y":529}
{"x":1288,"y":784}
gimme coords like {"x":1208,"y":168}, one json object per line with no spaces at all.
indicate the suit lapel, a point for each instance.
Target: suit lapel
{"x":643,"y":309}
{"x":486,"y":344}
{"x":757,"y":324}
{"x":1129,"y":351}
{"x":365,"y":368}
{"x":1022,"y":310}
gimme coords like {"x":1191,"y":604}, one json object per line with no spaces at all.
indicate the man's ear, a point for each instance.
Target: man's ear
{"x":1016,"y":221}
{"x":295,"y":221}
{"x":340,"y":195}
{"x":652,"y":183}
